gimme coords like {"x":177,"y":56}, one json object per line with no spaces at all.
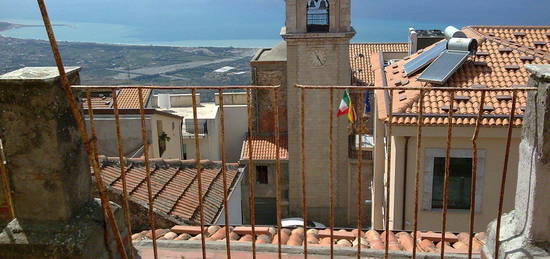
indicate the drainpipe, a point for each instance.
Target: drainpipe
{"x":405,"y":181}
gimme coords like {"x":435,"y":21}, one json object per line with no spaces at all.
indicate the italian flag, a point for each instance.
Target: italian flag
{"x":346,"y":107}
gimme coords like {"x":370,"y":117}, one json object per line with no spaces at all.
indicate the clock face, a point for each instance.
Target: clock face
{"x":318,"y":57}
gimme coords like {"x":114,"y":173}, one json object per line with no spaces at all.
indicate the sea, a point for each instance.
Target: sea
{"x":368,"y":30}
{"x":249,"y":23}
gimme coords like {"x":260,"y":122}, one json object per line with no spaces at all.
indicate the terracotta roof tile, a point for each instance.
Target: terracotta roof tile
{"x":429,"y":242}
{"x":126,"y":98}
{"x":174,"y":185}
{"x":264,"y":148}
{"x":503,"y":56}
{"x":360,"y":59}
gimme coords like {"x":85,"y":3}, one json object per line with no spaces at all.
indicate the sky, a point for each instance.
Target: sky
{"x":260,"y":19}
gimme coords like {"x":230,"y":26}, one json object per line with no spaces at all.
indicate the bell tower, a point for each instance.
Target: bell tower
{"x":317,"y":34}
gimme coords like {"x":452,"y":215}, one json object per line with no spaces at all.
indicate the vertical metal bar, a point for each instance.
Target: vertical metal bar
{"x":277,"y":170}
{"x":92,"y":125}
{"x":473,"y":185}
{"x":447,"y":171}
{"x":388,"y":175}
{"x":250,"y":174}
{"x":120,"y":148}
{"x":152,"y":221}
{"x":224,"y":174}
{"x":199,"y":169}
{"x":303,"y":168}
{"x":5,"y":181}
{"x":505,"y":171}
{"x":417,"y":175}
{"x":331,"y":169}
{"x":82,"y":129}
{"x":360,"y":177}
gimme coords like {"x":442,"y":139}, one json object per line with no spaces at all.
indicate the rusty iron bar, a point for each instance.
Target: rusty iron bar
{"x":277,"y":170}
{"x":388,"y":176}
{"x":96,"y":152}
{"x":447,"y":171}
{"x":473,"y":183}
{"x":330,"y":170}
{"x":303,"y":168}
{"x":92,"y":125}
{"x":120,"y":149}
{"x":417,"y":173}
{"x":224,"y":174}
{"x":152,"y":220}
{"x":360,"y":178}
{"x":82,"y":129}
{"x":5,"y":181}
{"x":199,"y":169}
{"x":505,"y":172}
{"x":417,"y":88}
{"x":172,"y":87}
{"x":250,"y":174}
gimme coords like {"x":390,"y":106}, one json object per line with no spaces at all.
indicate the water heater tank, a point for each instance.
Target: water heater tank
{"x":164,"y":101}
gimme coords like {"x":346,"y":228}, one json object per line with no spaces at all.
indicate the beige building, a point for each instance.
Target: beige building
{"x":495,"y":63}
{"x":163,"y":129}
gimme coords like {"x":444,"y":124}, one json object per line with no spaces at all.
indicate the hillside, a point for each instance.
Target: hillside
{"x":109,"y":64}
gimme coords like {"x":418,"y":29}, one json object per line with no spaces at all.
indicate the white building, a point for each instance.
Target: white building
{"x":209,"y":124}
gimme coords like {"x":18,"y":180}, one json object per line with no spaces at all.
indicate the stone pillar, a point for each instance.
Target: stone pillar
{"x":49,"y":173}
{"x":525,"y":231}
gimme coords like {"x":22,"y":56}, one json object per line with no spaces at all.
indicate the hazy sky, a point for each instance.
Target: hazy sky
{"x":263,"y":18}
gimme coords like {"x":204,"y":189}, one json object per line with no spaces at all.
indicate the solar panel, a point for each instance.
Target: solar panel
{"x":425,"y":58}
{"x":444,"y":66}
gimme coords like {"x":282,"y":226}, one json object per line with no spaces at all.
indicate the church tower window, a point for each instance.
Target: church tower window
{"x":318,"y":15}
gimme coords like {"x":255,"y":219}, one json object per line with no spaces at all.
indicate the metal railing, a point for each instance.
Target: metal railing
{"x":90,"y":141}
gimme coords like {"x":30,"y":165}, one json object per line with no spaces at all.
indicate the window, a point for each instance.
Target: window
{"x":261,"y":174}
{"x":201,"y":124}
{"x":318,"y":16}
{"x":460,"y":177}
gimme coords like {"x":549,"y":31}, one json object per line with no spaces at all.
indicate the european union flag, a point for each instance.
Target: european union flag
{"x":367,"y":102}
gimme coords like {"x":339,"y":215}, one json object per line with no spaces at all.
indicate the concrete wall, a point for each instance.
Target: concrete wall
{"x":235,"y":212}
{"x":130,"y":127}
{"x":172,"y":127}
{"x":235,"y":129}
{"x":491,"y":142}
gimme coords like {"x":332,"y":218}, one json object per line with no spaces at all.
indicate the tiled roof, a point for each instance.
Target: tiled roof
{"x":127,"y":99}
{"x":264,"y":148}
{"x":359,"y":54}
{"x":429,"y":242}
{"x":174,"y":185}
{"x":499,"y":61}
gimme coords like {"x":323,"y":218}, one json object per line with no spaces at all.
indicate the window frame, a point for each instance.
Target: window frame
{"x":427,"y":179}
